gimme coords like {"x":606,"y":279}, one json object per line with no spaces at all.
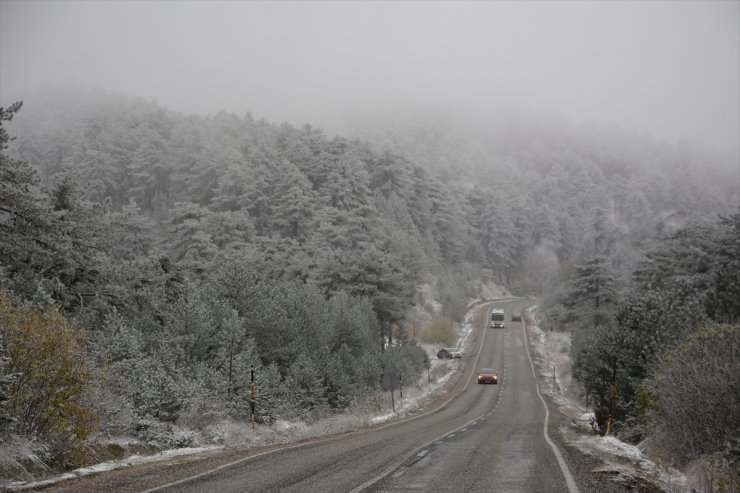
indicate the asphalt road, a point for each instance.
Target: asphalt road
{"x":475,"y":438}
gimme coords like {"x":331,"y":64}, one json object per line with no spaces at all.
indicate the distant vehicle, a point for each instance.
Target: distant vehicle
{"x":497,"y":318}
{"x":449,"y":353}
{"x":516,"y":317}
{"x":444,"y":354}
{"x":487,"y":375}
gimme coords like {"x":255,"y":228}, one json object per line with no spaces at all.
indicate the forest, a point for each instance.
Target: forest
{"x":149,"y":260}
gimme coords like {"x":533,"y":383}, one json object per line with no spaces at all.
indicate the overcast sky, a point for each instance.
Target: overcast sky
{"x":669,"y":68}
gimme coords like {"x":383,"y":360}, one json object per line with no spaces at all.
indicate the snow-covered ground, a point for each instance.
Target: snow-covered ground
{"x":551,"y":352}
{"x":108,"y":466}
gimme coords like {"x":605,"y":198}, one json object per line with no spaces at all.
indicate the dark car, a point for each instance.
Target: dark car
{"x":444,"y":353}
{"x":487,"y":375}
{"x":449,"y":352}
{"x":515,"y":317}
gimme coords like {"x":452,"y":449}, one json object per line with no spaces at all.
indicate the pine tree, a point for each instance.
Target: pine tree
{"x":26,"y":240}
{"x":293,"y":205}
{"x":307,"y":387}
{"x":723,"y":305}
{"x":593,"y":291}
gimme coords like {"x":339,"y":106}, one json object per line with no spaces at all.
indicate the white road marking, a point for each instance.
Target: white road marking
{"x":572,"y":487}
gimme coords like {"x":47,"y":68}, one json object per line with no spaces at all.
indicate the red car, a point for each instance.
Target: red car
{"x":486,"y":375}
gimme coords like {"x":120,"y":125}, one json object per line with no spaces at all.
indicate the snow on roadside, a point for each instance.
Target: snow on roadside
{"x":110,"y":466}
{"x":551,"y":354}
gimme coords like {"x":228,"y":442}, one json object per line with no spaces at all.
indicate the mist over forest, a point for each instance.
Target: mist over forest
{"x":151,"y":258}
{"x":197,"y":230}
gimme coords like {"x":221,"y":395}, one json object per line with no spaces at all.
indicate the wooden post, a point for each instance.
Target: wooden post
{"x":251,"y":397}
{"x":400,"y":387}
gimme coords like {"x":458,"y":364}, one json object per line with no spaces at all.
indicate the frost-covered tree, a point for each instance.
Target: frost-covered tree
{"x":293,"y":205}
{"x":131,"y":232}
{"x":723,"y":304}
{"x":307,"y":388}
{"x":704,"y":256}
{"x":26,"y":242}
{"x":592,"y":295}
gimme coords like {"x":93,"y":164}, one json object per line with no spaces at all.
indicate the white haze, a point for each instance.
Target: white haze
{"x":671,"y":69}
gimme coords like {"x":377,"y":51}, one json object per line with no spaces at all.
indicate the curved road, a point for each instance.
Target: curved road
{"x":482,"y":438}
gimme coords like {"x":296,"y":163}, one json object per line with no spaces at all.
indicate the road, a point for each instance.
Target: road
{"x":475,"y":438}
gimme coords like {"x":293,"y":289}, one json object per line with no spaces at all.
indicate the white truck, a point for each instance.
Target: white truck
{"x":497,"y":318}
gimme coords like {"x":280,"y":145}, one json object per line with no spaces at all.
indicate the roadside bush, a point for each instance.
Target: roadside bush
{"x":51,"y":396}
{"x":440,"y":331}
{"x":693,"y":400}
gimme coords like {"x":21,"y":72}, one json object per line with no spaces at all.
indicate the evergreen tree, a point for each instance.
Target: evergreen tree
{"x":723,"y":304}
{"x":26,"y":242}
{"x":131,"y":232}
{"x":592,"y":296}
{"x":49,"y":244}
{"x":293,"y":205}
{"x":308,"y":390}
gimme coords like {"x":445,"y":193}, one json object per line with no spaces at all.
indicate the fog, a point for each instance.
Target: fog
{"x":671,"y":69}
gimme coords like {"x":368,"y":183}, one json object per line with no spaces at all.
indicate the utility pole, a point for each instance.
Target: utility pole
{"x":400,"y":386}
{"x":389,"y":376}
{"x":251,"y":396}
{"x":393,"y":399}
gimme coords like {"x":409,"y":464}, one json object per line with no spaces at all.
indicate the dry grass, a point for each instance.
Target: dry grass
{"x":440,"y":331}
